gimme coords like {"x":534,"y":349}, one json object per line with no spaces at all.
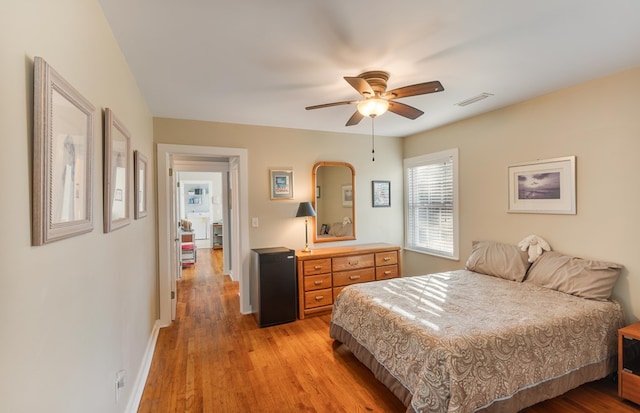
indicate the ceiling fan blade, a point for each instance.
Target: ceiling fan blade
{"x":326,"y":105}
{"x":355,"y":119}
{"x":404,"y":110}
{"x":413,"y":90}
{"x":361,"y":85}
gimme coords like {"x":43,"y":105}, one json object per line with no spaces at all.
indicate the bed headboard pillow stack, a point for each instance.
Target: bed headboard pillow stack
{"x":576,"y":276}
{"x":500,"y":260}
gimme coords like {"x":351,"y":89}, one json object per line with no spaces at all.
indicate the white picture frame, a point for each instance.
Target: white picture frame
{"x":117,"y":161}
{"x":543,"y":186}
{"x":281,"y":184}
{"x":62,"y":158}
{"x":347,"y":196}
{"x":140,"y":184}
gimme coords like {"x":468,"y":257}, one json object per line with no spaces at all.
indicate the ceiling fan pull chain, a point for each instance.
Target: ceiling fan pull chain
{"x":373,"y":141}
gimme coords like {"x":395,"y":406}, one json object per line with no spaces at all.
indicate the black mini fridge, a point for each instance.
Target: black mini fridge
{"x":274,"y":291}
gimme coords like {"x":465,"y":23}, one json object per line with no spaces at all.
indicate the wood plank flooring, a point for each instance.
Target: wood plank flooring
{"x":213,"y":359}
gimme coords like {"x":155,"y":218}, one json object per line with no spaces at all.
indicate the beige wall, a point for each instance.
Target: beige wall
{"x":76,"y":311}
{"x":278,"y":148}
{"x":595,"y":121}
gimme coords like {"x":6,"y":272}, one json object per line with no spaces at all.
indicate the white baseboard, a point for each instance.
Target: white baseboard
{"x":143,"y":373}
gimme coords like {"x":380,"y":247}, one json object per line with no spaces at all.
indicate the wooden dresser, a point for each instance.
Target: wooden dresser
{"x":324,"y":272}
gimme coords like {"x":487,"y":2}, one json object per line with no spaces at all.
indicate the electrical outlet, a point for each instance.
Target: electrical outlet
{"x":254,"y":222}
{"x":121,"y":380}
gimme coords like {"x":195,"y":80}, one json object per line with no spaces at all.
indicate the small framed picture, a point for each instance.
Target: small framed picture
{"x":381,"y":193}
{"x":543,"y":186}
{"x":140,"y":185}
{"x":116,"y":172}
{"x":281,"y":184}
{"x":347,"y":196}
{"x":317,"y":192}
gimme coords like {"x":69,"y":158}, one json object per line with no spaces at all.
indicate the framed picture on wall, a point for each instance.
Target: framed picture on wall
{"x":62,"y":158}
{"x":140,"y":185}
{"x":117,"y":159}
{"x":543,"y":186}
{"x":347,"y":196}
{"x":381,"y":193}
{"x":281,"y":184}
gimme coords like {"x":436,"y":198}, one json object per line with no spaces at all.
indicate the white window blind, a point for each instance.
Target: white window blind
{"x":431,"y":204}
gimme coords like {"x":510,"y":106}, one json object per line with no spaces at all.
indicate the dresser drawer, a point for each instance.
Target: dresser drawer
{"x":630,"y":387}
{"x":383,"y":273}
{"x":313,"y":267}
{"x":336,"y":291}
{"x":352,"y":277}
{"x":386,"y":258}
{"x":318,"y":298}
{"x":317,"y":282}
{"x":352,"y":262}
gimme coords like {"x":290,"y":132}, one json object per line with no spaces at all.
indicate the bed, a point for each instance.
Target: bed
{"x":466,"y":341}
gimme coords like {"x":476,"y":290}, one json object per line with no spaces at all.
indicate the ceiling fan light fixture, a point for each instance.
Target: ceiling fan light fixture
{"x":373,"y":107}
{"x":376,"y":99}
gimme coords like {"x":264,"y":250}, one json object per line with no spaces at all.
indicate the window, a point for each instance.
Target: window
{"x":431,"y":183}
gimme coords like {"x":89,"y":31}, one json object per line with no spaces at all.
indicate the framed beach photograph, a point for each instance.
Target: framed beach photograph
{"x":381,"y":193}
{"x":347,"y":196}
{"x":140,"y":185}
{"x":62,"y":158}
{"x":543,"y":186}
{"x":117,"y":159}
{"x":281,"y":184}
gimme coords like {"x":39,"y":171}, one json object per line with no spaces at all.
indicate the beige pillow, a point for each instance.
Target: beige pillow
{"x":340,"y":230}
{"x":500,"y":260}
{"x":576,"y":276}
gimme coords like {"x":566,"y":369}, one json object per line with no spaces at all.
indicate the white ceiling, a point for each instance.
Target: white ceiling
{"x":262,"y":62}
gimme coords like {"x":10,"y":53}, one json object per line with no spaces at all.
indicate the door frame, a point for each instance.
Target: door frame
{"x":240,"y":256}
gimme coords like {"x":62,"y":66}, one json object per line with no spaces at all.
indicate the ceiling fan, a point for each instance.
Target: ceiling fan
{"x":372,"y":85}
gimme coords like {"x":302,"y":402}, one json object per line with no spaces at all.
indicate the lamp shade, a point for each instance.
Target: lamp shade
{"x":373,"y":107}
{"x":305,"y":210}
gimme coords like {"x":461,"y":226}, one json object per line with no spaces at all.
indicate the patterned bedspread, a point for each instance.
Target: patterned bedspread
{"x":459,"y":340}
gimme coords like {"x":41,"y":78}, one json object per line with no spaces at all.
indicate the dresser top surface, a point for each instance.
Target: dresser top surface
{"x":346,"y":250}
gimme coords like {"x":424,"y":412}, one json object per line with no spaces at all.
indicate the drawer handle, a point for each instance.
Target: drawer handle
{"x":317,"y":282}
{"x":387,"y":258}
{"x":319,"y":297}
{"x":387,"y":272}
{"x":317,"y":267}
{"x":354,"y":277}
{"x":353,"y":263}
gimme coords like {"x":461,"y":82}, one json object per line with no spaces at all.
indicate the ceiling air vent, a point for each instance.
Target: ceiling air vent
{"x":474,"y":99}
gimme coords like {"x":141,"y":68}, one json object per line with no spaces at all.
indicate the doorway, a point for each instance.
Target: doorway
{"x":202,"y":199}
{"x":168,"y":264}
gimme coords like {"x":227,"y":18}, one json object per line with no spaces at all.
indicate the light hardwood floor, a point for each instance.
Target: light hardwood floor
{"x":213,"y":359}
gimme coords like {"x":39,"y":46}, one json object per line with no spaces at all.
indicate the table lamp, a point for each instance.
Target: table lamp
{"x":306,"y":210}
